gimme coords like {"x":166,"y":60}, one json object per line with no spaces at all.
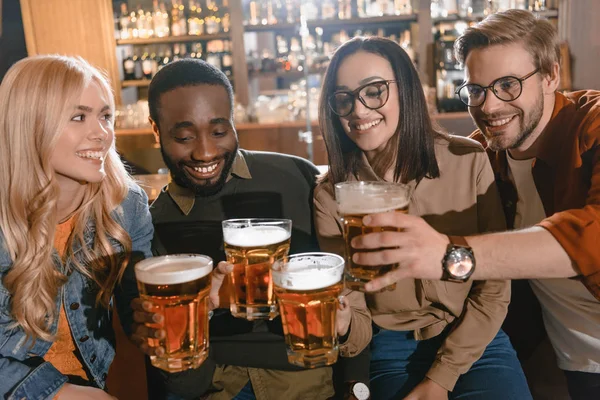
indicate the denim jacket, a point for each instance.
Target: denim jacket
{"x":23,"y":372}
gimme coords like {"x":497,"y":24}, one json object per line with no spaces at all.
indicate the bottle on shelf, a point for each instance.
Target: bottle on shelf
{"x":195,"y":20}
{"x":147,"y":64}
{"x":128,"y":64}
{"x":125,"y":28}
{"x":226,"y":16}
{"x":213,"y":53}
{"x":328,"y":9}
{"x":227,"y":59}
{"x":160,"y":19}
{"x":212,"y":21}
{"x":178,"y":21}
{"x":196,"y":50}
{"x":344,"y":9}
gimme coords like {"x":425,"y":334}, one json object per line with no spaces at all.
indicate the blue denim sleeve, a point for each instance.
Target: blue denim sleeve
{"x":140,"y":229}
{"x":42,"y":382}
{"x":22,"y":378}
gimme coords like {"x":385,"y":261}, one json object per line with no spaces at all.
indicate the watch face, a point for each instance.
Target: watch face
{"x":360,"y":391}
{"x":460,"y":262}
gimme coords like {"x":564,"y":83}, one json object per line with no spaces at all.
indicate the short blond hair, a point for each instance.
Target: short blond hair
{"x":513,"y":26}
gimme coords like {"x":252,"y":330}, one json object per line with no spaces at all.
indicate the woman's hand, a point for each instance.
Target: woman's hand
{"x":147,"y":322}
{"x":74,"y":392}
{"x":427,"y":390}
{"x":343,"y":317}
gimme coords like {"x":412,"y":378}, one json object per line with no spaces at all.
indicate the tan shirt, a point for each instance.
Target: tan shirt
{"x":462,"y":201}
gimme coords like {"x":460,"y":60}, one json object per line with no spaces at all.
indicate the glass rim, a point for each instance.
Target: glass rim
{"x":340,"y":262}
{"x":359,"y":184}
{"x":243,"y":222}
{"x":146,"y":265}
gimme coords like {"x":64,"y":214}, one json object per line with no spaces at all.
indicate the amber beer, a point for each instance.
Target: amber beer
{"x":178,"y":286}
{"x":307,"y":288}
{"x":356,"y":200}
{"x":252,"y":246}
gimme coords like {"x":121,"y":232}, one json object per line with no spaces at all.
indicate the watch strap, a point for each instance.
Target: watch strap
{"x":458,"y":241}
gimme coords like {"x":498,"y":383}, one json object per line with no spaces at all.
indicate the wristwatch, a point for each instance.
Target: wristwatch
{"x":359,"y":391}
{"x":458,"y":263}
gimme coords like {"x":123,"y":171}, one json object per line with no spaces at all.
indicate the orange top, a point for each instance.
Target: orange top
{"x":567,"y":177}
{"x":62,"y":353}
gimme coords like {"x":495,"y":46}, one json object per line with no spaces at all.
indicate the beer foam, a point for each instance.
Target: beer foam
{"x":171,"y":270}
{"x":369,"y":208}
{"x":309,"y":272}
{"x":252,"y":236}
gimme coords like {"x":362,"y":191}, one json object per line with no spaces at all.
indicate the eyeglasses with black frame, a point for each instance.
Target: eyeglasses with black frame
{"x":506,"y":88}
{"x":372,"y":95}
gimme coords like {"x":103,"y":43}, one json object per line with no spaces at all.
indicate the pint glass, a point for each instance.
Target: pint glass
{"x":178,"y":286}
{"x":354,"y":201}
{"x":307,"y":287}
{"x":252,"y":246}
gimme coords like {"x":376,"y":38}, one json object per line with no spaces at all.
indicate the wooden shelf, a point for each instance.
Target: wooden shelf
{"x":174,"y":39}
{"x":455,"y":17}
{"x":387,"y":19}
{"x":283,"y":74}
{"x":137,"y":131}
{"x":246,"y":126}
{"x":136,"y":83}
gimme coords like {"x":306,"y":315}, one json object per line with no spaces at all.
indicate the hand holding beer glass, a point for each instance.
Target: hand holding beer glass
{"x":356,"y":199}
{"x":307,"y":287}
{"x":252,"y":246}
{"x":179,"y":287}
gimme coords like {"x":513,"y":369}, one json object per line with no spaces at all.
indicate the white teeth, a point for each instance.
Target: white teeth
{"x":368,"y":125}
{"x":206,"y":170}
{"x":499,"y":122}
{"x":96,"y":155}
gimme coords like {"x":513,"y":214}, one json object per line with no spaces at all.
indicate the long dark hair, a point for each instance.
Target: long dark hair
{"x":414,"y":135}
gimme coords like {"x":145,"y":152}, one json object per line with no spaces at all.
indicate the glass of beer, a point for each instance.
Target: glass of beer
{"x":357,"y":199}
{"x":252,"y":246}
{"x":178,"y":286}
{"x":307,"y":287}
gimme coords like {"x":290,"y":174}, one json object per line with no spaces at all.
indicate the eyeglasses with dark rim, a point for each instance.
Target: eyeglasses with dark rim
{"x":372,"y":95}
{"x":507,"y":88}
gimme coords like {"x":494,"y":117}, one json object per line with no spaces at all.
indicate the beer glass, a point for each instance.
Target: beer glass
{"x":252,"y":246}
{"x":357,"y":199}
{"x":307,"y":287}
{"x":178,"y":286}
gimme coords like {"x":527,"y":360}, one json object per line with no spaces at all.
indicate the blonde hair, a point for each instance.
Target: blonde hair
{"x":513,"y":26}
{"x":37,"y":98}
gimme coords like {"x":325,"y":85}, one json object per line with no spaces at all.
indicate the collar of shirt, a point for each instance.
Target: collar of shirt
{"x":366,"y":173}
{"x":185,"y":198}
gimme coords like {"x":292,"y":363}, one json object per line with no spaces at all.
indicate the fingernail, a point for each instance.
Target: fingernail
{"x":147,"y":306}
{"x":341,"y":300}
{"x":158,"y":318}
{"x":159,"y":351}
{"x":367,"y":220}
{"x":159,"y":334}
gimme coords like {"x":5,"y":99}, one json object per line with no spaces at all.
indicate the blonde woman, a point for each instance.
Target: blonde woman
{"x":71,"y":224}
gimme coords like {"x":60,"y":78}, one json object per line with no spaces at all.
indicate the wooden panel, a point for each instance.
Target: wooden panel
{"x":583,"y":35}
{"x":82,"y":27}
{"x":240,"y":69}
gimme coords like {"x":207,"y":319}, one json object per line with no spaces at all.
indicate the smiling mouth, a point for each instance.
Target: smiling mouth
{"x":205,"y":171}
{"x":90,"y":155}
{"x":367,"y":125}
{"x":498,"y":123}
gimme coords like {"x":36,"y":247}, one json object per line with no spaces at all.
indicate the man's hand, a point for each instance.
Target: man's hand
{"x":148,"y":322}
{"x":417,"y":248}
{"x":427,"y":390}
{"x":343,"y":317}
{"x":74,"y":392}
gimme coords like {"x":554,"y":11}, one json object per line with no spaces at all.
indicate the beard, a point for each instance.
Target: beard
{"x":527,"y":124}
{"x":181,"y":178}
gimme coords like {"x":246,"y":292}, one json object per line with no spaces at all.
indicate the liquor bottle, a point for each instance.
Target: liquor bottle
{"x":178,"y":21}
{"x":213,"y":56}
{"x":128,"y":64}
{"x":227,"y":59}
{"x":196,"y":50}
{"x":142,"y":23}
{"x":164,"y":58}
{"x":195,"y":23}
{"x":344,"y":9}
{"x":160,"y":19}
{"x":253,"y":5}
{"x":125,"y":23}
{"x":226,"y":16}
{"x":328,"y":9}
{"x":147,"y":64}
{"x":212,"y":21}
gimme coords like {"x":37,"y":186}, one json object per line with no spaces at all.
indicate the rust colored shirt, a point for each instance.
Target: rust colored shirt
{"x":62,"y":353}
{"x":567,"y":177}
